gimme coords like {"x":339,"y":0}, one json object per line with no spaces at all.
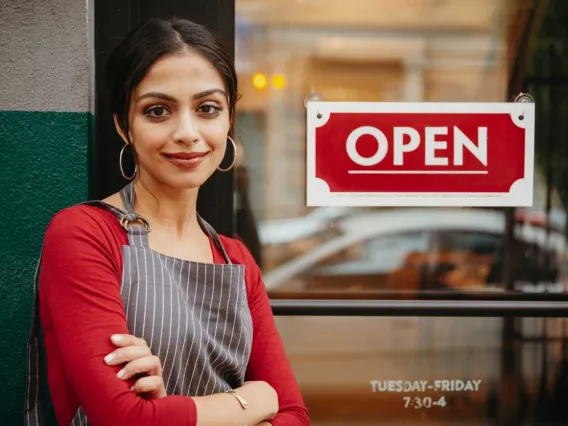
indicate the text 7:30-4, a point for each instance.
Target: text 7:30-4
{"x":423,"y":402}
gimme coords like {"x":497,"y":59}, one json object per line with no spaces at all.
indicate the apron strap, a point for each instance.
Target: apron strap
{"x":127,"y":196}
{"x":33,"y":404}
{"x":210,"y":231}
{"x":135,"y":225}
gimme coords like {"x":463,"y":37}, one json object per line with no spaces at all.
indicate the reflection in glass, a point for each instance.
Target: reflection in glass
{"x":430,"y":371}
{"x":403,"y":252}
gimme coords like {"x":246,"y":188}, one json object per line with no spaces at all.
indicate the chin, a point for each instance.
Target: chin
{"x":190,"y":181}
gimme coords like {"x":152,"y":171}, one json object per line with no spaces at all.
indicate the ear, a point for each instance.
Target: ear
{"x":119,"y":130}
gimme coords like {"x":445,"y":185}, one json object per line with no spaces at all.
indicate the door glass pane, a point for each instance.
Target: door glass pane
{"x":392,"y":50}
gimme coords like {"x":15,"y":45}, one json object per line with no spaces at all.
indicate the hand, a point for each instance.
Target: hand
{"x":138,"y":359}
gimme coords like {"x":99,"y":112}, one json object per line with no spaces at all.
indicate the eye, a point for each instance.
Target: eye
{"x":157,"y":111}
{"x":210,"y":109}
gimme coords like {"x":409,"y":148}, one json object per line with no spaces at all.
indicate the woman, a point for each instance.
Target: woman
{"x":150,"y":317}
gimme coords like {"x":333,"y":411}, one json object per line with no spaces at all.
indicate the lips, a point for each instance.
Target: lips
{"x":185,"y":155}
{"x":185,"y":160}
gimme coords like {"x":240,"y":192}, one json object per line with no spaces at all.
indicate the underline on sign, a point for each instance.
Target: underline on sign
{"x":418,"y":172}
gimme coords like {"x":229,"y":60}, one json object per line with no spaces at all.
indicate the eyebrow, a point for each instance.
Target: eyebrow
{"x":208,"y":93}
{"x":195,"y":97}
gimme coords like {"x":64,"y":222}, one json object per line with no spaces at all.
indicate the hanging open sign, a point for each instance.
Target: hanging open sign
{"x":420,"y":154}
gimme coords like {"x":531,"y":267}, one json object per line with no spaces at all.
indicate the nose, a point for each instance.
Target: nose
{"x":185,"y":129}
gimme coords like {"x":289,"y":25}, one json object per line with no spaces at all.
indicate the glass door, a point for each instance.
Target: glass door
{"x":485,"y":366}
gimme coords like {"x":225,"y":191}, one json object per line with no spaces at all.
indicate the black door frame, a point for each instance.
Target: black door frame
{"x":113,"y":20}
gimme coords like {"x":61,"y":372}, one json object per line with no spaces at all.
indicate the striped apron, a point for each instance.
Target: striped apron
{"x":194,"y":316}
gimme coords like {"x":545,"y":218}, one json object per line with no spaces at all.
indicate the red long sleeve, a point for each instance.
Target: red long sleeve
{"x":268,"y":359}
{"x":81,"y":308}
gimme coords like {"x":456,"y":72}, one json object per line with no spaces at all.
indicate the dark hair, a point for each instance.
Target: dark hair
{"x":132,"y":58}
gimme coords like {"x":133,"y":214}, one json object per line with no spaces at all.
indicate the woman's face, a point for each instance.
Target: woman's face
{"x":179,"y":121}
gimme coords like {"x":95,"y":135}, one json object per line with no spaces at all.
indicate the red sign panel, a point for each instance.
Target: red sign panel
{"x":420,"y":154}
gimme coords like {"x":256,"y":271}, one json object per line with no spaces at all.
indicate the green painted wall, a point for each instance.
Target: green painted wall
{"x":44,"y":168}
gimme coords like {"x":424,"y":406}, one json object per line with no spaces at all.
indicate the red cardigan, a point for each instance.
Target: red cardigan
{"x":81,"y":307}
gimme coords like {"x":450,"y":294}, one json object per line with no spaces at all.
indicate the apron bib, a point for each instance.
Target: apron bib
{"x":194,"y":316}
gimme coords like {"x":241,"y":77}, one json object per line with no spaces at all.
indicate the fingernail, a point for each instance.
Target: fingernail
{"x":120,"y":374}
{"x":117,"y":338}
{"x":110,"y":358}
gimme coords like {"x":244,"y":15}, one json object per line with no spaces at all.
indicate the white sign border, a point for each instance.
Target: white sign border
{"x":519,"y":195}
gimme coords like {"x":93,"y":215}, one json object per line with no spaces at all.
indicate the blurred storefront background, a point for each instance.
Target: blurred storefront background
{"x":425,"y":51}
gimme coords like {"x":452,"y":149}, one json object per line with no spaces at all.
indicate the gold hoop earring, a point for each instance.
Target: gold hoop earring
{"x":234,"y":156}
{"x":122,"y":168}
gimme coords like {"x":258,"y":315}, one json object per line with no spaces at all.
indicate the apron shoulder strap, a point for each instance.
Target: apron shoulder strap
{"x":95,"y":203}
{"x":209,"y":230}
{"x":127,"y":196}
{"x":127,"y":218}
{"x":33,"y":411}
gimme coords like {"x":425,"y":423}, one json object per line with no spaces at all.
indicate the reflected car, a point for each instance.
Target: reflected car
{"x":415,"y":250}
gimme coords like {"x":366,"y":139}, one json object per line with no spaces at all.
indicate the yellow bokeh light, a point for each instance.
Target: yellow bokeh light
{"x":278,"y":81}
{"x":259,"y":81}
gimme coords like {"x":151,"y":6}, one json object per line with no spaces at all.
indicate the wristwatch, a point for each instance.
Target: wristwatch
{"x":241,"y":400}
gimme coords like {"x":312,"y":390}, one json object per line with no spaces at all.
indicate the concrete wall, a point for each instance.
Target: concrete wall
{"x":46,"y":125}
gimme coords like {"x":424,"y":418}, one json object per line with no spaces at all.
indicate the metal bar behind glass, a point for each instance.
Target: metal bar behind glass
{"x":414,"y":308}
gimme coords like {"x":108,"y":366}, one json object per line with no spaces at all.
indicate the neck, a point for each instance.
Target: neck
{"x":167,"y":208}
